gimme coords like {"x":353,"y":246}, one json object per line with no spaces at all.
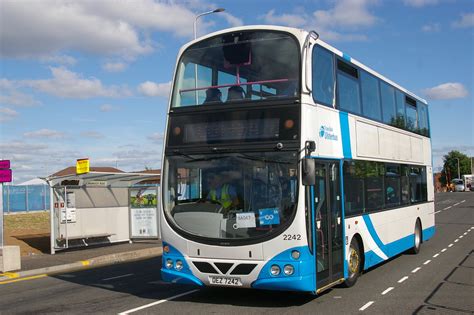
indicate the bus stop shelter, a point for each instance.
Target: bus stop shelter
{"x":101,"y":208}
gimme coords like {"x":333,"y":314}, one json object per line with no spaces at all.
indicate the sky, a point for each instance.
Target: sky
{"x":92,"y":78}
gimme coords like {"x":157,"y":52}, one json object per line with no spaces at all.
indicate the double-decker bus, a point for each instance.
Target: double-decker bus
{"x":288,"y":165}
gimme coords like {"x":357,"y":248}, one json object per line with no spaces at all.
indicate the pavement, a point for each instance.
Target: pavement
{"x":84,"y":258}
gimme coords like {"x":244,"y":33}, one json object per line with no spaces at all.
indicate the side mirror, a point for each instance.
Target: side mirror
{"x":308,"y":174}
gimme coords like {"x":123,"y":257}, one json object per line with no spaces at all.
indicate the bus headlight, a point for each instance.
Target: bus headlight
{"x":179,"y":265}
{"x":295,"y":255}
{"x":169,"y":263}
{"x":288,"y":270}
{"x":275,"y":270}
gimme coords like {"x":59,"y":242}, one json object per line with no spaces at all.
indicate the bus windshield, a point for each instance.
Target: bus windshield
{"x":231,"y":196}
{"x":243,"y":66}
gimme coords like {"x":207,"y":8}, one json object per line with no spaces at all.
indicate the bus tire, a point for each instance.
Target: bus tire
{"x":354,"y":264}
{"x":417,"y":242}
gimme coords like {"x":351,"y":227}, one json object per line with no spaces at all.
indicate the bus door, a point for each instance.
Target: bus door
{"x":327,"y":223}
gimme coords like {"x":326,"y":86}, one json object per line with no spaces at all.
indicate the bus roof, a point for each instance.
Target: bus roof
{"x":301,"y":35}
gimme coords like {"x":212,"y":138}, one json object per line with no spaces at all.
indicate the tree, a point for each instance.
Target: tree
{"x":450,"y":169}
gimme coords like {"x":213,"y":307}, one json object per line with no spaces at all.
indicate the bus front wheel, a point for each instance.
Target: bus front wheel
{"x":354,"y":264}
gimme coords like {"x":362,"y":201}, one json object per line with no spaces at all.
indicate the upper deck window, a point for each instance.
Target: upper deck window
{"x":240,"y":66}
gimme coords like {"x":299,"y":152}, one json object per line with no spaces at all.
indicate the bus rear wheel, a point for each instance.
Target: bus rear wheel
{"x":354,"y":264}
{"x":417,"y":242}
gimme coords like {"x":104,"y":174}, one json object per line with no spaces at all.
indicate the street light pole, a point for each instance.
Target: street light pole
{"x":459,"y":173}
{"x":202,"y":14}
{"x":195,"y":36}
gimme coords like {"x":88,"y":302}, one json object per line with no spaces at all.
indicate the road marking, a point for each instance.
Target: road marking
{"x":118,"y":277}
{"x":448,"y":208}
{"x":457,"y":204}
{"x":437,"y":211}
{"x":435,"y":255}
{"x":159,"y":302}
{"x":461,"y":236}
{"x":416,"y":269}
{"x":456,"y":240}
{"x":10,"y":275}
{"x":443,"y":250}
{"x":402,"y":279}
{"x":427,"y":262}
{"x":366,"y":305}
{"x":465,"y":233}
{"x":24,"y":279}
{"x":388,"y":290}
{"x":450,"y":245}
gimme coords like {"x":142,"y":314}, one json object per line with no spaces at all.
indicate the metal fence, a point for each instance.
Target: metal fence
{"x":25,"y":198}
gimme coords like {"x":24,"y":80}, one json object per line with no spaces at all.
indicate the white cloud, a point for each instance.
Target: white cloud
{"x":467,"y":20}
{"x":346,"y":13}
{"x":45,"y":133}
{"x":337,"y":23}
{"x":293,"y":20}
{"x":92,"y":134}
{"x":68,"y":84}
{"x":428,"y":28}
{"x":7,"y":114}
{"x":114,"y":66}
{"x":11,"y":95}
{"x":446,"y":91}
{"x":156,"y":137}
{"x":108,"y":108}
{"x":59,"y":59}
{"x":108,"y":27}
{"x":232,"y":20}
{"x":420,"y":3}
{"x":149,"y":88}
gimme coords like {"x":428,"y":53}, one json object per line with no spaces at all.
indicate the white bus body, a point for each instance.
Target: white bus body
{"x":315,"y":249}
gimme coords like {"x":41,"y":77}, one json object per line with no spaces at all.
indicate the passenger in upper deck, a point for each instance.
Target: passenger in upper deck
{"x":213,"y":95}
{"x":235,"y":93}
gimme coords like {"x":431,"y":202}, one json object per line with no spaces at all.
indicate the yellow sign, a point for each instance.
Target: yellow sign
{"x":82,"y":166}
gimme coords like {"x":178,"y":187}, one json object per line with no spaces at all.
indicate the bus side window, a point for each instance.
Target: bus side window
{"x":323,"y":76}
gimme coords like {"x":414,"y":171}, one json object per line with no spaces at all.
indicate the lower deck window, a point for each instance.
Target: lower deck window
{"x":374,"y":186}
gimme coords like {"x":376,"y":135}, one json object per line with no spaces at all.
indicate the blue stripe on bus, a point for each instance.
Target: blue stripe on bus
{"x":346,"y":57}
{"x":345,"y":135}
{"x":301,"y":280}
{"x":393,"y":248}
{"x":184,"y":276}
{"x":374,"y":235}
{"x":428,"y":233}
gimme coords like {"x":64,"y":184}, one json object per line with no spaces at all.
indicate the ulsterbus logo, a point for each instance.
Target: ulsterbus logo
{"x":327,"y":133}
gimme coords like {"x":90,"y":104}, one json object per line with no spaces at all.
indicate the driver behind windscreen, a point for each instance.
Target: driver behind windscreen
{"x":222,"y":192}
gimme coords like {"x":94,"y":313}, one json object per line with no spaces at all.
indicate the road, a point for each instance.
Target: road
{"x":439,"y":280}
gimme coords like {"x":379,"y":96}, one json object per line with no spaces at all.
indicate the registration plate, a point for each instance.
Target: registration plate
{"x":229,"y":281}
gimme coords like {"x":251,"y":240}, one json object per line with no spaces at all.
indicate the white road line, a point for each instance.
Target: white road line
{"x":456,"y":204}
{"x":416,"y":269}
{"x":461,"y":236}
{"x":427,"y":262}
{"x":438,"y":211}
{"x":450,"y":245}
{"x":443,"y":250}
{"x":465,"y":233}
{"x":435,"y":255}
{"x":158,"y":302}
{"x":456,"y":240}
{"x":118,"y":277}
{"x":366,"y":305}
{"x":402,"y":279}
{"x":448,"y":208}
{"x":388,"y":290}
